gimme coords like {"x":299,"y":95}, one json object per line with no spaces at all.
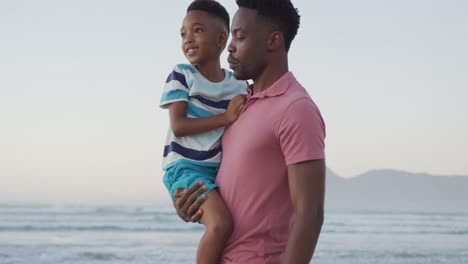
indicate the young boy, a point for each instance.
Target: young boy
{"x":202,"y":99}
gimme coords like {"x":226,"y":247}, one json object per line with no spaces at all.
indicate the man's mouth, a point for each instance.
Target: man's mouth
{"x":232,"y":62}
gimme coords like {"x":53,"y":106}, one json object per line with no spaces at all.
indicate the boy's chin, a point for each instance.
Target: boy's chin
{"x":192,"y":60}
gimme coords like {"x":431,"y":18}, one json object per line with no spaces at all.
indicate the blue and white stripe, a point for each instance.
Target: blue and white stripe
{"x":204,"y":99}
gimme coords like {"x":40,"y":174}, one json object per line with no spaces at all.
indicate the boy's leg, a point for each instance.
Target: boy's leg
{"x":218,"y":223}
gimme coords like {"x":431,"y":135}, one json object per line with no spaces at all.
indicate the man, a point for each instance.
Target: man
{"x":272,"y":174}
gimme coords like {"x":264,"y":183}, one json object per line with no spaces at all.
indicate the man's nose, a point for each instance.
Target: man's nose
{"x":231,"y":48}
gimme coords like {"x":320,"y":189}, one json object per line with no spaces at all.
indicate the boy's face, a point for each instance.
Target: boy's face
{"x":248,"y":53}
{"x":200,"y":32}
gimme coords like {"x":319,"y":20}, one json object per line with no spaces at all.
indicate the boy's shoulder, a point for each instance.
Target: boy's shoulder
{"x":233,"y":81}
{"x":184,"y":68}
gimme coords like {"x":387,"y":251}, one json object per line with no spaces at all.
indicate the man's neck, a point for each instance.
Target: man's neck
{"x":272,"y":73}
{"x":211,"y":71}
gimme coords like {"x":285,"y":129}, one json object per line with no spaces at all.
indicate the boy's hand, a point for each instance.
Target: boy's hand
{"x":186,"y":203}
{"x":234,"y":108}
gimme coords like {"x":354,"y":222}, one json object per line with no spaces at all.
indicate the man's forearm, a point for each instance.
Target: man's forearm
{"x":307,"y":188}
{"x":303,"y":238}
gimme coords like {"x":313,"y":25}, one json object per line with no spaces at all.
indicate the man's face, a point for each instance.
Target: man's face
{"x":248,"y":47}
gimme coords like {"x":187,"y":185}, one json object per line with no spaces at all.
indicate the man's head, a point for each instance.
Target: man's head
{"x":262,"y":33}
{"x":204,"y":31}
{"x":280,"y":13}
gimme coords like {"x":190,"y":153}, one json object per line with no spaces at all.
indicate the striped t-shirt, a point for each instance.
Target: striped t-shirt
{"x":204,"y":99}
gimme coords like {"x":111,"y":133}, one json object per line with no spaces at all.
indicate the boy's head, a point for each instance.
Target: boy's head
{"x":204,"y":31}
{"x":213,"y":8}
{"x":262,"y":32}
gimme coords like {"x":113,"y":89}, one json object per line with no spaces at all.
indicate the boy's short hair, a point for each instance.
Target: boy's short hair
{"x":281,"y":13}
{"x":213,"y":8}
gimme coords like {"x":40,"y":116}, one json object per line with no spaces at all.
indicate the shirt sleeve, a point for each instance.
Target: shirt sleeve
{"x":301,"y":132}
{"x":175,"y":89}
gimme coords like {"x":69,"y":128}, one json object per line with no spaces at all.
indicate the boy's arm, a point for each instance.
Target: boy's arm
{"x":183,"y":126}
{"x":307,"y":188}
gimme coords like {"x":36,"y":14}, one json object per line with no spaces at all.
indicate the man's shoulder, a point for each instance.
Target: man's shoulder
{"x":298,"y":101}
{"x":296,"y":94}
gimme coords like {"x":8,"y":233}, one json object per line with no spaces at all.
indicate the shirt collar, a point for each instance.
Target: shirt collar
{"x":277,"y":88}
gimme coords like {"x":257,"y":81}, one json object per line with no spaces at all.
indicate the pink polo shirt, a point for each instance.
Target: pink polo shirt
{"x":277,"y":127}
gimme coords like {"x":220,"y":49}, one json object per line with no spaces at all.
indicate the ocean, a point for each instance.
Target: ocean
{"x":48,"y":234}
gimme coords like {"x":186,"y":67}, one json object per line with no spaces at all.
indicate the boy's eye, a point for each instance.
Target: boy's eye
{"x":183,"y":34}
{"x":198,"y":30}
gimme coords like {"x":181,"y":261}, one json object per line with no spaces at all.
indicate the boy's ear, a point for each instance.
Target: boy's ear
{"x":275,"y":41}
{"x":222,"y":40}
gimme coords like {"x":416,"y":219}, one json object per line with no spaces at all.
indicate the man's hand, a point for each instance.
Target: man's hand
{"x":234,"y":108}
{"x":186,"y":203}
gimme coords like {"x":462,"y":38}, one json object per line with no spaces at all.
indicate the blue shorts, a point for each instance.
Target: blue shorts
{"x":184,"y":175}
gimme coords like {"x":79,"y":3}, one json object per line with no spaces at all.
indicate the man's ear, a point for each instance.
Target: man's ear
{"x":275,"y":41}
{"x":222,"y":40}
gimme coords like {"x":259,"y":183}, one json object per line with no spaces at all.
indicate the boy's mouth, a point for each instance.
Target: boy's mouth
{"x":191,"y":51}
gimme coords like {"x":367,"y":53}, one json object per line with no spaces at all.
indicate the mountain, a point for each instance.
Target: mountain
{"x":392,"y":190}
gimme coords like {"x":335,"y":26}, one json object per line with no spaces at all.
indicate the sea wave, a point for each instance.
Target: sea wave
{"x":406,"y":232}
{"x":197,"y":228}
{"x":100,"y":256}
{"x":100,"y":228}
{"x":7,"y":209}
{"x":61,"y":218}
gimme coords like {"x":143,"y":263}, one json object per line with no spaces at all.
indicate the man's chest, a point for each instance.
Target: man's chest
{"x":255,"y":130}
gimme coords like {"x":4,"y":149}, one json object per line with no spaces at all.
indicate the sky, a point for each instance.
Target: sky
{"x":80,"y":83}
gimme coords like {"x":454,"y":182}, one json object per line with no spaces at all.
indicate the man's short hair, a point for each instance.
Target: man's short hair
{"x":213,"y":8}
{"x":281,"y":13}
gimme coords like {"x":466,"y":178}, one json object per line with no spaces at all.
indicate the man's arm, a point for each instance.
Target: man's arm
{"x":186,"y":204}
{"x":307,"y":188}
{"x":183,"y":126}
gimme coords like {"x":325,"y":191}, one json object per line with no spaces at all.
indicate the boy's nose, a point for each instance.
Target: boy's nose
{"x":188,"y":38}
